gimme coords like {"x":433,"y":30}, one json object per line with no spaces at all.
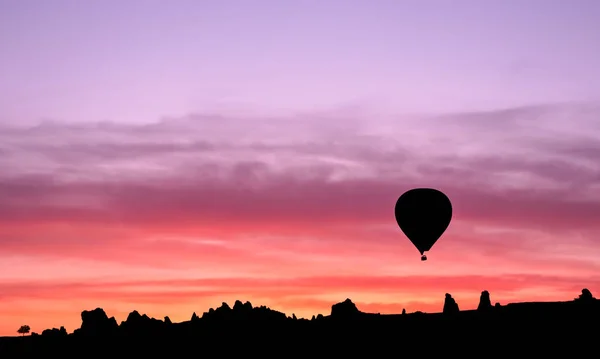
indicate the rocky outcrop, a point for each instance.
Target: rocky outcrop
{"x":585,"y":296}
{"x":194,"y":317}
{"x":97,"y":323}
{"x":243,"y":311}
{"x":55,"y":333}
{"x":137,"y":323}
{"x":450,"y":305}
{"x":344,"y":309}
{"x":485,"y":304}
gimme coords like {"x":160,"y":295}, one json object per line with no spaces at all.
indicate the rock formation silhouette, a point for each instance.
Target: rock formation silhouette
{"x":194,"y":317}
{"x":96,"y":322}
{"x":246,"y":328}
{"x":345,"y":309}
{"x":585,"y":296}
{"x":484,"y":301}
{"x":450,"y":305}
{"x":62,"y":332}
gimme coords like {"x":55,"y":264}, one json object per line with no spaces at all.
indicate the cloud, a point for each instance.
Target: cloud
{"x":250,"y":198}
{"x":220,"y":170}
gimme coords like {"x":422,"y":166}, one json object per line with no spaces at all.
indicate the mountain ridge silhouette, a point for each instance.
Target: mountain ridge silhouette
{"x":244,"y":323}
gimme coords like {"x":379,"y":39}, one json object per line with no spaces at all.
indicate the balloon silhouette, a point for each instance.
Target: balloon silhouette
{"x":423,"y":214}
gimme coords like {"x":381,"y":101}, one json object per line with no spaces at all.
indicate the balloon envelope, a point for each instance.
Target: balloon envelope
{"x":423,"y":214}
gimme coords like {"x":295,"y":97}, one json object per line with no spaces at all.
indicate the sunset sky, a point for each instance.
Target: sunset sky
{"x":167,"y":156}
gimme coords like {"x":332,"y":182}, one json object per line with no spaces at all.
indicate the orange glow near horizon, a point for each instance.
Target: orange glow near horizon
{"x":162,"y":273}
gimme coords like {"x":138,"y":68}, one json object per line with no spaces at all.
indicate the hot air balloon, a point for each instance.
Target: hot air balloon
{"x":423,"y":214}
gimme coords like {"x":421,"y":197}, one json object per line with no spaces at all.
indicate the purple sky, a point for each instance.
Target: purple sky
{"x":140,"y":60}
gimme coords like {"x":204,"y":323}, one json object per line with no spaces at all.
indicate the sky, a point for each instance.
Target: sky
{"x":167,"y":157}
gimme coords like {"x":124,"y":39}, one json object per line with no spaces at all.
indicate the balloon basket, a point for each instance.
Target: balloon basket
{"x":423,"y":257}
